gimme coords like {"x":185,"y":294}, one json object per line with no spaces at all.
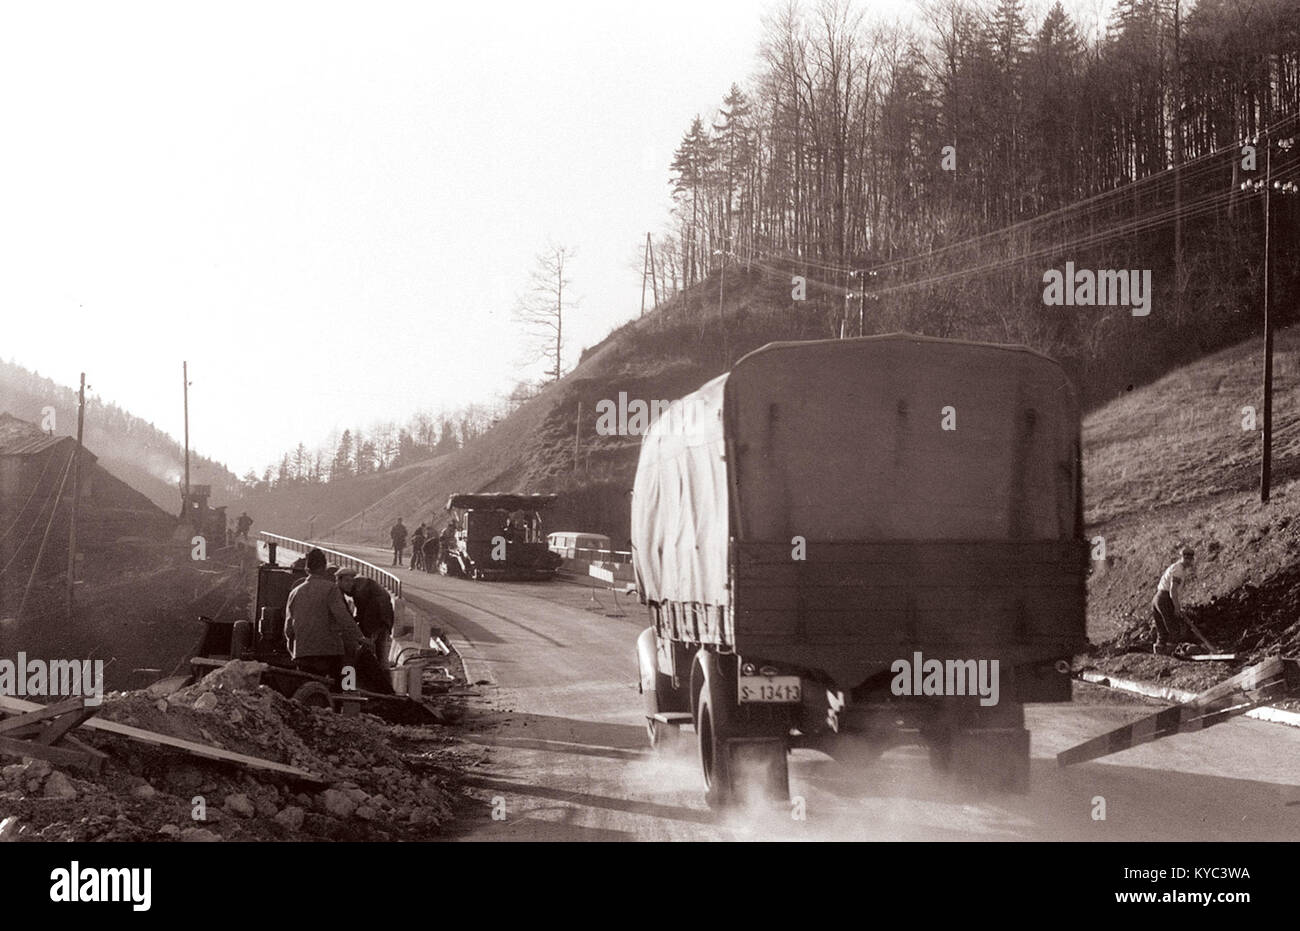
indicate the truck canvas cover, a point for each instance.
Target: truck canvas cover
{"x":902,"y":438}
{"x":679,"y":503}
{"x":935,"y":484}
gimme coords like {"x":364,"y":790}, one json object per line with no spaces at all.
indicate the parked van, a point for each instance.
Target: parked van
{"x":573,"y":545}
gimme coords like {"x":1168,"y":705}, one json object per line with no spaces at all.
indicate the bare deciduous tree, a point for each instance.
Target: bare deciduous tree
{"x":542,"y":307}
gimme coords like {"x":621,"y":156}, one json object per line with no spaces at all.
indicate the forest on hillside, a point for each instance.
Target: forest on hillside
{"x":924,"y":176}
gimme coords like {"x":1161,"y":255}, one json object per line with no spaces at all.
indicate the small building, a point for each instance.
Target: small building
{"x":34,"y":466}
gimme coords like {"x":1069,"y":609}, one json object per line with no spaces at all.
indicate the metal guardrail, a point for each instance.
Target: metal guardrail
{"x":365,"y":569}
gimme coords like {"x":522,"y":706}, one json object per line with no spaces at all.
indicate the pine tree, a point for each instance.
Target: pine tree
{"x":341,"y":466}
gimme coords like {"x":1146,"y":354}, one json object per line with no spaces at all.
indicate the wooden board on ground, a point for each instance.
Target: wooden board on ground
{"x":1258,"y":685}
{"x":207,"y":751}
{"x":39,"y":732}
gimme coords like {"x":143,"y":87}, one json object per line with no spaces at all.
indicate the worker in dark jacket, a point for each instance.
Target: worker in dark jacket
{"x":374,"y":610}
{"x":318,"y":628}
{"x":398,"y":536}
{"x":417,"y":547}
{"x":430,"y":562}
{"x":242,"y":525}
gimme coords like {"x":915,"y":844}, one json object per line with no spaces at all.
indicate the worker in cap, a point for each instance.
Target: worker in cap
{"x":374,"y":607}
{"x":1167,"y":605}
{"x":374,"y":610}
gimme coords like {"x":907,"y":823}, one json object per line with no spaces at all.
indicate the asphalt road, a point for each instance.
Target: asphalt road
{"x":562,"y":752}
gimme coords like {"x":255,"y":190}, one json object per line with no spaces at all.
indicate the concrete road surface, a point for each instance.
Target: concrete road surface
{"x":564,"y":753}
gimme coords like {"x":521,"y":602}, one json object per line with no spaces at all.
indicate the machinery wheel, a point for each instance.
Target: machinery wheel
{"x":313,"y":695}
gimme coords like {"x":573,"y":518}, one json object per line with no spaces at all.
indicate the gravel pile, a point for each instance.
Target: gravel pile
{"x":372,"y":789}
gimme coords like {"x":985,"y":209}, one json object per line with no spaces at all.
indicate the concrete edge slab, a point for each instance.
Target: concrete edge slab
{"x":455,"y":639}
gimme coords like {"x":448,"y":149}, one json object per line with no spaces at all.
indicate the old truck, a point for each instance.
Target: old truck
{"x":848,"y":544}
{"x":498,"y":536}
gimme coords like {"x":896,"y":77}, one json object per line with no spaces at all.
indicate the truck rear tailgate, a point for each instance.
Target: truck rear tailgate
{"x":848,"y":608}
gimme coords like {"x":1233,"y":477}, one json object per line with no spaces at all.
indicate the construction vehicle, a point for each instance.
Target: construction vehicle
{"x":498,"y":536}
{"x":809,"y":526}
{"x":263,"y":641}
{"x":199,"y":518}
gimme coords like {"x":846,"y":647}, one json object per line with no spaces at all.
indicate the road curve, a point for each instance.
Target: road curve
{"x":564,"y":755}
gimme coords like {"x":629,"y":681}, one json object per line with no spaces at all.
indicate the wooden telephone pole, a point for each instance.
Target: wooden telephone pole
{"x":185,"y":377}
{"x":76,"y":492}
{"x":577,"y":435}
{"x":1266,"y":464}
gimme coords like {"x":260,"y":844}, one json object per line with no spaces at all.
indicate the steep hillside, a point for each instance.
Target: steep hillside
{"x":1170,"y":464}
{"x":296,"y":510}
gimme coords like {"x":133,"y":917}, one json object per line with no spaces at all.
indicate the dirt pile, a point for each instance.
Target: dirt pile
{"x":1255,"y":621}
{"x":371,"y":790}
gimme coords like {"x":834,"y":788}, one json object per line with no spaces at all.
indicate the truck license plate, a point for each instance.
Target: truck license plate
{"x":770,"y":689}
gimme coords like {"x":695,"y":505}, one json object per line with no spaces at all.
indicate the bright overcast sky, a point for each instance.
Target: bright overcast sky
{"x":331,"y":208}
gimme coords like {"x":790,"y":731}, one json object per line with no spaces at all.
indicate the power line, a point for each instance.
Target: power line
{"x":23,"y":510}
{"x":36,"y":523}
{"x":1189,"y":171}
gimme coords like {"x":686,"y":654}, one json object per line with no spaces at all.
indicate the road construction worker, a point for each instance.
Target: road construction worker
{"x":417,"y":547}
{"x":398,"y":535}
{"x":374,"y":610}
{"x":242,"y":525}
{"x":318,"y":628}
{"x":430,"y":558}
{"x":1167,"y":605}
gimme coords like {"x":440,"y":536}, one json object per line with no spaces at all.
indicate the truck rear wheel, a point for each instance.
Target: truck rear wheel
{"x":762,"y":755}
{"x":713,"y":756}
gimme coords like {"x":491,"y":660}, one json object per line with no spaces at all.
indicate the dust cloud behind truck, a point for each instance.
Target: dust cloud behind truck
{"x":810,"y":526}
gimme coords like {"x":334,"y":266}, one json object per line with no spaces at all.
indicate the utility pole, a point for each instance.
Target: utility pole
{"x":76,"y":489}
{"x":654,"y":281}
{"x":577,"y":432}
{"x":559,"y":316}
{"x":645,"y":270}
{"x":185,"y":377}
{"x":1266,"y":463}
{"x":1267,"y":186}
{"x":722,"y":319}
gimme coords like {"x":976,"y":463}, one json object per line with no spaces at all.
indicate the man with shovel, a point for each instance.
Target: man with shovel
{"x":1167,"y":605}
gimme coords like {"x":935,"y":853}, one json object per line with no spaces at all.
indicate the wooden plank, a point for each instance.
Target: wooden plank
{"x":22,"y":720}
{"x":207,"y":751}
{"x":65,"y":723}
{"x":850,"y":576}
{"x":1066,"y":554}
{"x":63,"y":756}
{"x":1258,"y":685}
{"x":988,"y":622}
